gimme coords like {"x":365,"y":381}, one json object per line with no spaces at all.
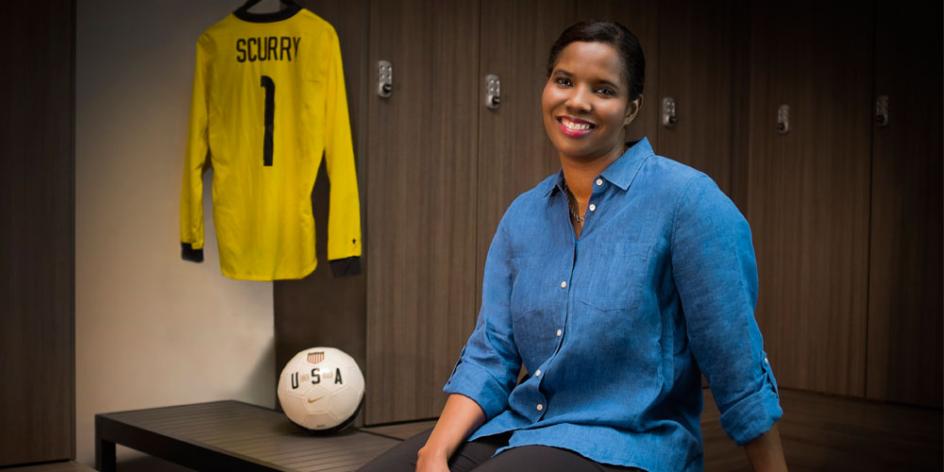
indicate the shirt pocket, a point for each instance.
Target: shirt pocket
{"x":618,"y":278}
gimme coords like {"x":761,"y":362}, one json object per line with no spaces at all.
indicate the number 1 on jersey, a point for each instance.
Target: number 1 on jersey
{"x":269,"y":87}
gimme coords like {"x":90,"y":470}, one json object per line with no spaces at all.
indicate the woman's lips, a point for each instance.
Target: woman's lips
{"x":574,"y":127}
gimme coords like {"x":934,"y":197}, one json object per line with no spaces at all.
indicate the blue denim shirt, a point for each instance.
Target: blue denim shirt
{"x":614,"y":327}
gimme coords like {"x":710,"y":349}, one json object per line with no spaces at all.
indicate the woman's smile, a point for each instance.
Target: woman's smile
{"x":575,"y":127}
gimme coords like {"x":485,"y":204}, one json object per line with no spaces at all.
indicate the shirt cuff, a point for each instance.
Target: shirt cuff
{"x":346,"y":267}
{"x":755,"y":414}
{"x":188,"y":253}
{"x":478,"y":384}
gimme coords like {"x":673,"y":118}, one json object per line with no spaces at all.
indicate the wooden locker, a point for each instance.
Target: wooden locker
{"x":421,"y":205}
{"x":808,"y":189}
{"x":904,"y":340}
{"x":37,"y":242}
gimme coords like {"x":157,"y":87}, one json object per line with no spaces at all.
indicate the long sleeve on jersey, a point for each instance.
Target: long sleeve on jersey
{"x":191,"y":201}
{"x":344,"y":225}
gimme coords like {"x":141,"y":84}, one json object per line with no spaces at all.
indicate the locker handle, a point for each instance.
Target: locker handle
{"x":492,"y":92}
{"x":384,"y":79}
{"x":669,"y":116}
{"x":881,"y":111}
{"x":783,"y":119}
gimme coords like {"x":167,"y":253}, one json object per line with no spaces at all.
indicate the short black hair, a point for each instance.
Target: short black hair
{"x":614,"y":34}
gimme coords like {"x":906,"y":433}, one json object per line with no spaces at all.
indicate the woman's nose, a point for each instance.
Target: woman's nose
{"x":579,"y":100}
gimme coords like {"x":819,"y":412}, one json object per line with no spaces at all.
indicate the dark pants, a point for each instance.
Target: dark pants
{"x":477,"y":455}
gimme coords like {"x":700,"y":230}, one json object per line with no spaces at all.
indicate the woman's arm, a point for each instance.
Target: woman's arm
{"x":459,"y":417}
{"x":766,"y":453}
{"x":715,"y":273}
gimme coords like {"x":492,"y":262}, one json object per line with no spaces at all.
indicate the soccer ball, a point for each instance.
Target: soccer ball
{"x":321,"y":388}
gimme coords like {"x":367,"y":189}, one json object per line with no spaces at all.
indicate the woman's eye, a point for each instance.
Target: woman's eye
{"x":564,"y":81}
{"x":606,"y":91}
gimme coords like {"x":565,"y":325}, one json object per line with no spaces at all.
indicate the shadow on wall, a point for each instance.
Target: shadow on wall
{"x":259,"y":382}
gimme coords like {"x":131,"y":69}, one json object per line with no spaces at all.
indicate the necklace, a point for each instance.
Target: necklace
{"x":572,"y":205}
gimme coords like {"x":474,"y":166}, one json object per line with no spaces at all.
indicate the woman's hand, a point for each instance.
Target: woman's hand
{"x":460,"y":416}
{"x":431,"y":461}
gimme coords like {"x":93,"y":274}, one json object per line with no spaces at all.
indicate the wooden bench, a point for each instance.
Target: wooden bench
{"x":231,"y":436}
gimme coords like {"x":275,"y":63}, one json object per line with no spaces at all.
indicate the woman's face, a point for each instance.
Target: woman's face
{"x":585,"y":103}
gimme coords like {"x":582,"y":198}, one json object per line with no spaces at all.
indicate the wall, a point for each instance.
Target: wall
{"x":151,"y":329}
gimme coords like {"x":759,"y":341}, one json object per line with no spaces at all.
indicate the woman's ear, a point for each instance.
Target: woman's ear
{"x":632,"y":109}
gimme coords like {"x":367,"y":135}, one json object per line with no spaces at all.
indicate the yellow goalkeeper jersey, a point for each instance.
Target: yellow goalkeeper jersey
{"x":268,"y":103}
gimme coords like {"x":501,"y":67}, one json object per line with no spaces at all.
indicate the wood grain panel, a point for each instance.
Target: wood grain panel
{"x":642,"y":18}
{"x":740,"y":105}
{"x":421,"y":208}
{"x":809,"y":190}
{"x":514,"y":151}
{"x":37,"y":208}
{"x":696,"y":68}
{"x":904,"y":341}
{"x":321,"y":309}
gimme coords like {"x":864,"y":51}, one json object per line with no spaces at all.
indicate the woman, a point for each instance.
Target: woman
{"x":615,"y":282}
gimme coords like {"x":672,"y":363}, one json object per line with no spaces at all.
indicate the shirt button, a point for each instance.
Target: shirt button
{"x":539,"y":407}
{"x":599,"y":182}
{"x":560,"y":332}
{"x":537,"y":373}
{"x":563,"y":284}
{"x":593,"y":207}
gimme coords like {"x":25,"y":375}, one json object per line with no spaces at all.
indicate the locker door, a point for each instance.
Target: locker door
{"x":904,"y":347}
{"x":422,"y":149}
{"x":808,"y":189}
{"x":37,"y":256}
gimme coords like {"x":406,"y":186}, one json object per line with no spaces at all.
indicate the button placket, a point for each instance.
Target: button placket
{"x":559,"y":332}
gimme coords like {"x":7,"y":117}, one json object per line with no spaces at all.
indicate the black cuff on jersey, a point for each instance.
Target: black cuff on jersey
{"x":188,"y":253}
{"x":346,"y":267}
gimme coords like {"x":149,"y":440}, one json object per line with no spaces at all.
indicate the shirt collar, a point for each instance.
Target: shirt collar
{"x":620,"y":172}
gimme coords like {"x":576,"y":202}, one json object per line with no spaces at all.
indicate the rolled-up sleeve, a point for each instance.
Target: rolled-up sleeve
{"x":715,"y":273}
{"x":488,"y":365}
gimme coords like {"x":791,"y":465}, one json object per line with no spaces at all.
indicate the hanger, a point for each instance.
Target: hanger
{"x":251,"y":3}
